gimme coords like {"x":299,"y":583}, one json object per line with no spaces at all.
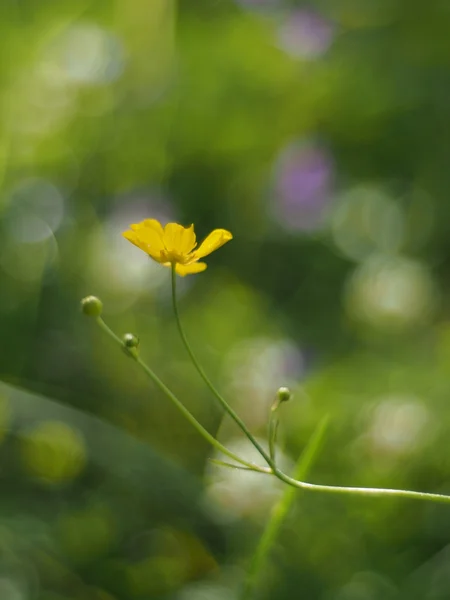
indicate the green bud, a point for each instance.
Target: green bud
{"x":284,"y":394}
{"x":130,"y":340}
{"x":92,"y":306}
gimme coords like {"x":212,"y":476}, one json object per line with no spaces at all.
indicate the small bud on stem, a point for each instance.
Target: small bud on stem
{"x":92,"y":306}
{"x":284,"y":394}
{"x":130,"y":340}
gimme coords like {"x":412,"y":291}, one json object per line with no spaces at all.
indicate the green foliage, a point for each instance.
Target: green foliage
{"x":327,"y":158}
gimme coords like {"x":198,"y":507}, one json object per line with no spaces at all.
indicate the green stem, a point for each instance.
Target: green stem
{"x":222,"y":463}
{"x":281,"y":509}
{"x":363,"y":491}
{"x":294,"y":483}
{"x":188,"y":415}
{"x":239,"y":422}
{"x":273,"y":430}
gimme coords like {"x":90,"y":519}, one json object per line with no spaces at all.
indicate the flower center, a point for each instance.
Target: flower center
{"x":172,"y":256}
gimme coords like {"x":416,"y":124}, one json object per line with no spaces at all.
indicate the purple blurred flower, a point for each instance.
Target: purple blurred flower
{"x":303,"y":185}
{"x":305,"y":34}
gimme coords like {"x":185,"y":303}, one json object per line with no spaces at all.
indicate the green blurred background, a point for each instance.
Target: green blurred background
{"x":319,"y":134}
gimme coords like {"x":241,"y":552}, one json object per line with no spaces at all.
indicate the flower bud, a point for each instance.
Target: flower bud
{"x":92,"y":306}
{"x":130,"y":340}
{"x":284,"y":394}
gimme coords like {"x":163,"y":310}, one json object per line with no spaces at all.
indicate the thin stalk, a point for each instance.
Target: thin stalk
{"x":274,"y":471}
{"x":222,"y":463}
{"x":362,"y":491}
{"x":273,"y":430}
{"x":239,"y":422}
{"x":186,"y":413}
{"x":280,"y":511}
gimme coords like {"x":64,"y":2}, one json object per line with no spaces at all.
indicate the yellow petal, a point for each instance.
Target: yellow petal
{"x":152,"y":223}
{"x":190,"y":269}
{"x":132,"y":237}
{"x":215,"y":240}
{"x":147,"y":239}
{"x":179,"y":239}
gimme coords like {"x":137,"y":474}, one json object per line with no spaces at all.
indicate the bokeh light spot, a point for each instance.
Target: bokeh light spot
{"x":365,"y":220}
{"x":236,"y":493}
{"x":35,"y":210}
{"x":256,"y":368}
{"x":85,"y":54}
{"x":399,"y":424}
{"x":387,"y":292}
{"x":305,"y":34}
{"x":54,"y":452}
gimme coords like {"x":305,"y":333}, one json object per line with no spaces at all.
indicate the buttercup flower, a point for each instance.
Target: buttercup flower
{"x":175,"y":244}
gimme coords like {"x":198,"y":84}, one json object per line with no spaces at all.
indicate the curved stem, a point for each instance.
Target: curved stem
{"x":274,"y":471}
{"x":362,"y":491}
{"x":239,"y":422}
{"x":188,"y":415}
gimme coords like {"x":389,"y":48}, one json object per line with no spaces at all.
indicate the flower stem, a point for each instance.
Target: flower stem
{"x":222,"y":463}
{"x":280,"y":511}
{"x":273,"y":471}
{"x":362,"y":491}
{"x":273,"y":430}
{"x":208,"y":382}
{"x":186,"y":413}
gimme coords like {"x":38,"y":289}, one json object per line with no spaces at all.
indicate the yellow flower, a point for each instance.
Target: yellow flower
{"x":175,"y":244}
